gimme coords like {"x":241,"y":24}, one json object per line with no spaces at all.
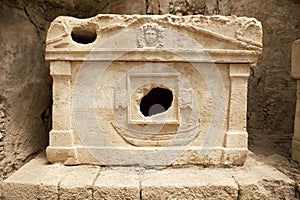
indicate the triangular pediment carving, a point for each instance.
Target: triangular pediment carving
{"x":109,"y":33}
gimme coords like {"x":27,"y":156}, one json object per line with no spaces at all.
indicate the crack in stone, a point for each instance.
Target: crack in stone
{"x":218,"y":7}
{"x":59,"y":186}
{"x":239,"y":188}
{"x":297,"y":191}
{"x":94,"y":181}
{"x":141,"y":172}
{"x":32,"y":22}
{"x":147,"y":6}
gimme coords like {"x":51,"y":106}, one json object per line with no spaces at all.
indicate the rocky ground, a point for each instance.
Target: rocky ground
{"x":285,"y":165}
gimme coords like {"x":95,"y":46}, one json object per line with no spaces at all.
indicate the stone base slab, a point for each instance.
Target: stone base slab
{"x":147,"y":156}
{"x":40,"y":180}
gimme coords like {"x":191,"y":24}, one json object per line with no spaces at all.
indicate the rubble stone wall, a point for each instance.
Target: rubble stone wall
{"x":272,"y":90}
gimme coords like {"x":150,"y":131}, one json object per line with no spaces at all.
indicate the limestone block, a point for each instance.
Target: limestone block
{"x":236,"y":139}
{"x":60,"y":68}
{"x":259,"y":181}
{"x":234,"y":156}
{"x":78,"y":183}
{"x":61,"y":138}
{"x":117,"y":183}
{"x":59,"y":154}
{"x":28,"y":183}
{"x":50,"y":181}
{"x":151,"y":90}
{"x":201,"y":156}
{"x":255,"y":180}
{"x":188,"y":183}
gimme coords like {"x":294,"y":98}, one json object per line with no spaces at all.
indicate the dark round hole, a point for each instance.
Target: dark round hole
{"x":83,"y":36}
{"x":158,"y":100}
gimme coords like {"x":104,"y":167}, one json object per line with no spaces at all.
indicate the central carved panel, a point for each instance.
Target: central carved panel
{"x":157,"y":101}
{"x":151,"y":109}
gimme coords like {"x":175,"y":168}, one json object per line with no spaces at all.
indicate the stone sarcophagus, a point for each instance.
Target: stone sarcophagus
{"x":151,"y":90}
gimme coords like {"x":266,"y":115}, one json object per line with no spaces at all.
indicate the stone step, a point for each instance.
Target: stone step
{"x":39,"y":180}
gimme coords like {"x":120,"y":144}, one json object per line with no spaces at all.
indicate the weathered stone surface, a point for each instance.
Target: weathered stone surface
{"x":255,"y":180}
{"x":38,"y":180}
{"x":78,"y":184}
{"x":296,"y":75}
{"x":272,"y":90}
{"x":3,"y":117}
{"x":296,"y":60}
{"x":117,"y":183}
{"x":158,"y":7}
{"x":188,"y":183}
{"x":26,"y":183}
{"x":124,"y":7}
{"x":25,"y":84}
{"x":260,"y":181}
{"x":25,"y":94}
{"x":195,"y":7}
{"x":176,"y":63}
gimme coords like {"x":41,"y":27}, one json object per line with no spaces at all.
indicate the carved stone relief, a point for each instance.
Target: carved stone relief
{"x":150,"y":35}
{"x":120,"y":99}
{"x":160,"y":128}
{"x":185,"y":98}
{"x":125,"y":94}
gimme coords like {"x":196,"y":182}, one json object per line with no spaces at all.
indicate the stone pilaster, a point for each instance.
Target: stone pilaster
{"x":61,"y":134}
{"x":296,"y":75}
{"x":236,"y":135}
